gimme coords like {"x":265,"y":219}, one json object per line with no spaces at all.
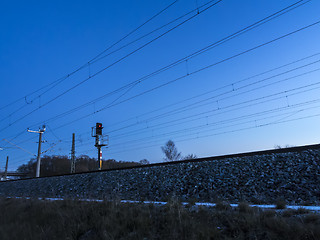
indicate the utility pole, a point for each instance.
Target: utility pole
{"x":41,"y":131}
{"x":6,"y":169}
{"x":73,"y":157}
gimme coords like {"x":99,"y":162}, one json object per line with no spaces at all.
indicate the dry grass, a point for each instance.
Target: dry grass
{"x":293,"y":212}
{"x":244,"y":207}
{"x":281,"y":204}
{"x":221,"y":205}
{"x":35,"y":219}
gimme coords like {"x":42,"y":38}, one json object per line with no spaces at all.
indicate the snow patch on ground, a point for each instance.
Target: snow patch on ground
{"x":311,"y":208}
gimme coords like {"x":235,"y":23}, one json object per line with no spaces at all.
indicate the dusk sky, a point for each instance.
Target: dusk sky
{"x":216,"y":77}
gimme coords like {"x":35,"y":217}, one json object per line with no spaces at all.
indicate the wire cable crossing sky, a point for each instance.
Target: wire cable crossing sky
{"x":215,"y":76}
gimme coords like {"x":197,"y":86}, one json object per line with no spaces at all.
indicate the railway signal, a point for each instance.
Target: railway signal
{"x":97,"y":134}
{"x":99,"y":128}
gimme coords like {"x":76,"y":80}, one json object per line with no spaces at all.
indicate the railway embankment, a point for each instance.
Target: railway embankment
{"x":292,"y":174}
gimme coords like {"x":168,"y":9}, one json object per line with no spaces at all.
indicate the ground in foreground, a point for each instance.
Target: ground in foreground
{"x":71,"y":219}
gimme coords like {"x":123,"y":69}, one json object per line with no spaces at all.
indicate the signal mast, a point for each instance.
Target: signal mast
{"x":97,"y":134}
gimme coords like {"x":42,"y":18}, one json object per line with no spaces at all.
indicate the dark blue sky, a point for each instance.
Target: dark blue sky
{"x":208,"y":110}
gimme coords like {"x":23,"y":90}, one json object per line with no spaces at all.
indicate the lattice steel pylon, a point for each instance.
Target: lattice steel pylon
{"x":73,"y":155}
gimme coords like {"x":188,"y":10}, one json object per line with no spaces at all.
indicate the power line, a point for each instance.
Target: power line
{"x":248,"y":28}
{"x":196,"y":117}
{"x":50,"y":130}
{"x":216,"y":89}
{"x":222,"y":133}
{"x":58,"y":81}
{"x":222,"y":122}
{"x":169,"y":82}
{"x":212,"y":65}
{"x":271,"y":123}
{"x":199,"y":70}
{"x":182,"y":109}
{"x":220,"y":99}
{"x":133,"y":31}
{"x":112,"y":64}
{"x":187,"y":107}
{"x":218,"y":111}
{"x":157,"y":29}
{"x":304,"y":58}
{"x":236,"y":130}
{"x":186,"y":132}
{"x":238,"y":33}
{"x":215,"y":134}
{"x":239,"y":104}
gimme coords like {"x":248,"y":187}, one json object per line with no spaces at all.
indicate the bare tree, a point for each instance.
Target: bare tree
{"x":190,"y":156}
{"x":144,"y":162}
{"x":280,"y":147}
{"x":171,"y":152}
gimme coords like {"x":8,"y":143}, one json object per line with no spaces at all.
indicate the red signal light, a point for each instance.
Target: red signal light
{"x":99,"y":128}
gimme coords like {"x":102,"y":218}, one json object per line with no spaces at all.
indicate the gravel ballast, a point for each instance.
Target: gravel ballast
{"x":291,"y":174}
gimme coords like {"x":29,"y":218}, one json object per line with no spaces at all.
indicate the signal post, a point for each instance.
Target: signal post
{"x":97,"y":133}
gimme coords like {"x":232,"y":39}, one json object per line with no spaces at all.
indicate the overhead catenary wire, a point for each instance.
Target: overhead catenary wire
{"x":258,"y":23}
{"x":219,"y":133}
{"x":243,"y":104}
{"x":124,"y":149}
{"x":225,"y":132}
{"x":249,"y":102}
{"x":231,"y":107}
{"x":215,"y":44}
{"x":248,"y":116}
{"x":112,"y":64}
{"x":195,"y":105}
{"x":274,"y":122}
{"x":58,"y":81}
{"x":202,"y":116}
{"x":196,"y":71}
{"x":93,"y":60}
{"x":231,"y":91}
{"x":187,"y":107}
{"x":115,"y":101}
{"x":157,"y":29}
{"x":19,"y":147}
{"x":275,"y":75}
{"x":211,"y":65}
{"x":214,"y":90}
{"x":221,"y":122}
{"x":190,"y":130}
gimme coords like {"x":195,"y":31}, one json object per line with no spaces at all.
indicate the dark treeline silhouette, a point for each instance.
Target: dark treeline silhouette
{"x":56,"y":165}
